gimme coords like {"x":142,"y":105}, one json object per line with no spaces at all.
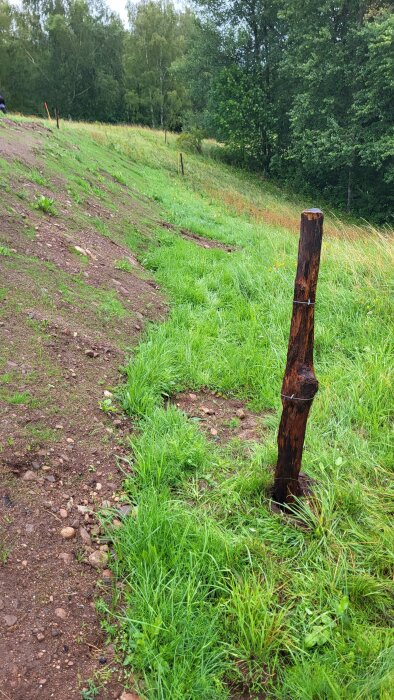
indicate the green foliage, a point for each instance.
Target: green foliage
{"x":124,"y":265}
{"x":45,"y":204}
{"x":156,"y":43}
{"x":300,"y":91}
{"x":191,"y":141}
{"x":5,"y":251}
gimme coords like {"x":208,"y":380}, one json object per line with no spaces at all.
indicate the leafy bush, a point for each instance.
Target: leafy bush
{"x":191,"y":141}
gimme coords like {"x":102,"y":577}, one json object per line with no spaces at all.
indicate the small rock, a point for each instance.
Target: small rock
{"x":42,"y":681}
{"x":63,"y":513}
{"x":98,"y":559}
{"x":108,"y":394}
{"x":129,"y":696}
{"x":10,"y":620}
{"x":207,"y":411}
{"x":193,"y":397}
{"x":56,"y":633}
{"x":29,"y":476}
{"x":85,"y":537}
{"x":240,"y":413}
{"x":70,"y":441}
{"x":117,"y":523}
{"x":125,"y":509}
{"x":59,"y":426}
{"x":67,"y":533}
{"x":40,"y":636}
{"x":99,"y":486}
{"x":117,"y":423}
{"x":107,"y":574}
{"x":60,"y":612}
{"x":80,"y":250}
{"x":214,"y":431}
{"x":91,"y":353}
{"x":66,"y":557}
{"x":82,"y":509}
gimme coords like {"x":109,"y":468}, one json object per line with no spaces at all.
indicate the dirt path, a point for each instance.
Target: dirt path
{"x":66,"y":317}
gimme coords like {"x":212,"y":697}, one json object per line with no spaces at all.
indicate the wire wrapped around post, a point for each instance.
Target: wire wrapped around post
{"x":299,"y":384}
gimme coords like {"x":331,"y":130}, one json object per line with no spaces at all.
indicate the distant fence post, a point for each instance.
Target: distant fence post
{"x":181,"y":163}
{"x":57,"y":116}
{"x":47,"y":111}
{"x":299,"y":384}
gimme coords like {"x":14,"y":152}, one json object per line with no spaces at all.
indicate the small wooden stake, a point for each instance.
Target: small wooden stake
{"x":181,"y":162}
{"x":299,"y":384}
{"x":57,"y":116}
{"x":47,"y":110}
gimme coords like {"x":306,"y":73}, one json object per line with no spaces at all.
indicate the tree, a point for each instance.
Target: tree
{"x":157,"y":40}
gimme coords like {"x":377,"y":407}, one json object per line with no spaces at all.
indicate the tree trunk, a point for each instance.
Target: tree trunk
{"x":299,"y":384}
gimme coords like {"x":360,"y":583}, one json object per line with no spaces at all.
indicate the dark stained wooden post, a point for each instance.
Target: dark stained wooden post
{"x":299,"y":384}
{"x":181,"y":162}
{"x":57,"y":117}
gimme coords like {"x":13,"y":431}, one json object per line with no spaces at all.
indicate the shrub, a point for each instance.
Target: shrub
{"x":191,"y":141}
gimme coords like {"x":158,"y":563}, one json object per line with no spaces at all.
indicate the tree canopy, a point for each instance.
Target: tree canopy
{"x":299,"y":90}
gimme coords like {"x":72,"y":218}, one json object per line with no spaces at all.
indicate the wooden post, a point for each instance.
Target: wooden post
{"x":181,"y":162}
{"x":47,"y":110}
{"x":57,"y":116}
{"x":299,"y":384}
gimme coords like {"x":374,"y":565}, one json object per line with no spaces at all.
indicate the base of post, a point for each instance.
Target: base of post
{"x":303,"y":488}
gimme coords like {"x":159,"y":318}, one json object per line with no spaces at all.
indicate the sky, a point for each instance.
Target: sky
{"x":119,"y":6}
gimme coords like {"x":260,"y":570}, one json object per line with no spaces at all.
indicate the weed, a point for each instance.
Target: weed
{"x":46,"y":205}
{"x":19,"y":398}
{"x":124,"y":265}
{"x":91,"y":691}
{"x":5,"y":251}
{"x":37,"y":177}
{"x":119,"y":178}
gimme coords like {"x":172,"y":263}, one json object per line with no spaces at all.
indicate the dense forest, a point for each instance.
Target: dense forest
{"x":299,"y":90}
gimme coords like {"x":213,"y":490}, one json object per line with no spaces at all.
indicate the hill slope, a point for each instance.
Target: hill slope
{"x":219,"y":596}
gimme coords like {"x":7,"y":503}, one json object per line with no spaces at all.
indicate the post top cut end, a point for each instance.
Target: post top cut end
{"x":312,"y":213}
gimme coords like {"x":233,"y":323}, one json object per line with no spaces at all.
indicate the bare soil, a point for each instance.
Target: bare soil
{"x":58,"y":450}
{"x":201,"y":241}
{"x":221,"y":418}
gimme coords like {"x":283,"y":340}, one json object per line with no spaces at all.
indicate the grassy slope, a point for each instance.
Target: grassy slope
{"x":220,"y":593}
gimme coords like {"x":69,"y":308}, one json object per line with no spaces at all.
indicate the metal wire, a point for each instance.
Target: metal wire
{"x":295,"y":398}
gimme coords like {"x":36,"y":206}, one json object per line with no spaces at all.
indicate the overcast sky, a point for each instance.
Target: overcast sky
{"x":119,"y":6}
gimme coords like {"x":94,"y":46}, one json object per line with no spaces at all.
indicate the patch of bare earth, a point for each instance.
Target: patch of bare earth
{"x":220,"y":417}
{"x":201,"y":241}
{"x":58,"y":450}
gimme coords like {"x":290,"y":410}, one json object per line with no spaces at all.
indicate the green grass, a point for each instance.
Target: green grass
{"x":124,"y":265}
{"x":220,"y":595}
{"x":5,"y":251}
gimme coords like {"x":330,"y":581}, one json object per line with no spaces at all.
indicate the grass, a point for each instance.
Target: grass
{"x":5,"y":251}
{"x":220,"y":596}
